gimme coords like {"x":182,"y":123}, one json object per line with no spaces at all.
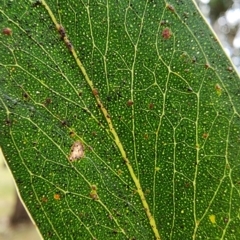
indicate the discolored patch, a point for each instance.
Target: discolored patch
{"x":56,"y":196}
{"x":7,"y":31}
{"x":77,"y":151}
{"x":166,"y":33}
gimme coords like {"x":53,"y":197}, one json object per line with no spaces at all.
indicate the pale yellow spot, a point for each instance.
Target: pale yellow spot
{"x":77,"y":151}
{"x":212,"y":218}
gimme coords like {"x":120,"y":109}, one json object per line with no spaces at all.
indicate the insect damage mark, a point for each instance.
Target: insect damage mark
{"x":77,"y":151}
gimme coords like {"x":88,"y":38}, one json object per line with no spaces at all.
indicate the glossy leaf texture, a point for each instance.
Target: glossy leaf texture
{"x":120,"y":119}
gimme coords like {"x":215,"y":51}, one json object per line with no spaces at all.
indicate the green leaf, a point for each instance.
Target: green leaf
{"x":120,"y":119}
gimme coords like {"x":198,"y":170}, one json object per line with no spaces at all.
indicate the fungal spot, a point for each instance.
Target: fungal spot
{"x":212,"y":219}
{"x":77,"y":151}
{"x":218,"y":89}
{"x":7,"y":31}
{"x":205,"y":135}
{"x":170,"y":8}
{"x":47,"y":101}
{"x":166,"y":33}
{"x":93,"y":194}
{"x":146,"y":136}
{"x":129,"y":103}
{"x":80,"y":93}
{"x":72,"y":133}
{"x":57,"y":196}
{"x":25,"y":96}
{"x":61,"y":31}
{"x":95,"y":92}
{"x":151,"y":106}
{"x":230,"y":69}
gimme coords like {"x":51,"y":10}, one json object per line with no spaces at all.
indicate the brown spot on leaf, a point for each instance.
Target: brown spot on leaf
{"x":205,"y":135}
{"x":170,"y":7}
{"x":166,"y":33}
{"x":61,"y":31}
{"x":7,"y":31}
{"x":95,"y":92}
{"x":151,"y":106}
{"x":218,"y":89}
{"x":129,"y":103}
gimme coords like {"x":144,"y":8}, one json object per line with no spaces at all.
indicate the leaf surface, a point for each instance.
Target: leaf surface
{"x":120,"y":119}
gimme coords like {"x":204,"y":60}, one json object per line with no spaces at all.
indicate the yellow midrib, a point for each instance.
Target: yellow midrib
{"x":111,"y":128}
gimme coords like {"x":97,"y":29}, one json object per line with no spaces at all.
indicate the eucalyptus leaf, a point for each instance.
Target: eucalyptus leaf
{"x":120,"y":119}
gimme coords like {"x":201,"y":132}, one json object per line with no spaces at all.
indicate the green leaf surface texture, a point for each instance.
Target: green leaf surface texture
{"x":119,"y":119}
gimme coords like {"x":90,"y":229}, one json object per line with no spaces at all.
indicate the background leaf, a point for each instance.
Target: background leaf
{"x":147,"y":90}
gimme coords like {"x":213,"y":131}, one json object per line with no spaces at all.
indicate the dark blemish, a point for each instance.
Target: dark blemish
{"x":80,"y":94}
{"x":166,"y":33}
{"x":129,"y":103}
{"x":61,"y":31}
{"x":69,"y":45}
{"x":207,"y":66}
{"x":115,"y":231}
{"x":108,"y":116}
{"x":8,"y":122}
{"x":146,"y":136}
{"x":186,"y":70}
{"x":37,"y":3}
{"x":170,"y":7}
{"x":47,"y":101}
{"x":186,"y":14}
{"x":230,"y":69}
{"x":163,"y":22}
{"x":65,"y":123}
{"x":95,"y":92}
{"x":7,"y":31}
{"x":205,"y":135}
{"x":151,"y":106}
{"x":189,"y":89}
{"x":56,"y":196}
{"x":194,"y":59}
{"x":25,"y":96}
{"x":99,"y":105}
{"x":77,"y":151}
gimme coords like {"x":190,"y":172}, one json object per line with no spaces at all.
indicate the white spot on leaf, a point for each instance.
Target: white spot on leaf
{"x":77,"y":151}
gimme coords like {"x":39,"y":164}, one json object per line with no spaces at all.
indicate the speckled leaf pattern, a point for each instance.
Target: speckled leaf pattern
{"x":119,"y":119}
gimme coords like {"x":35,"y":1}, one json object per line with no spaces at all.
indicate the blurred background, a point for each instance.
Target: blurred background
{"x":223,"y":16}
